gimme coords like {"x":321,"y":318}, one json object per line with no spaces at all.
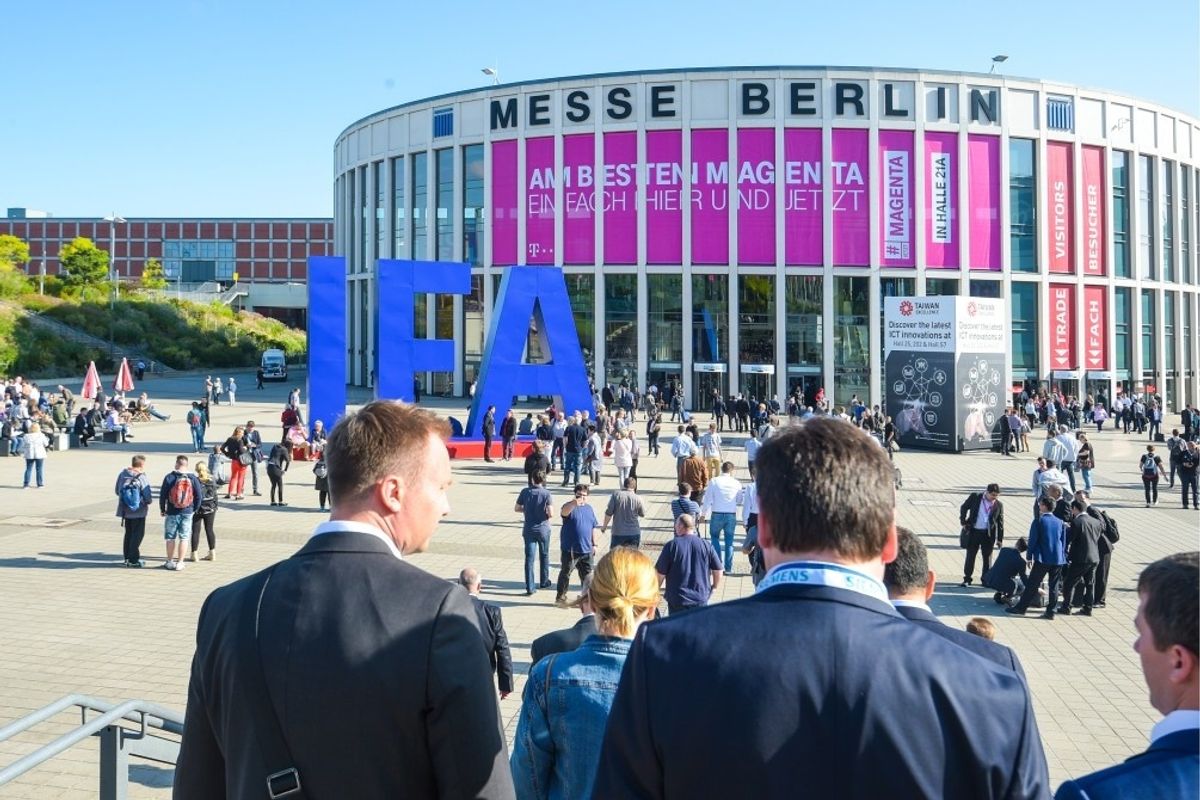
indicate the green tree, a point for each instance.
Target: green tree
{"x":152,"y":275}
{"x":14,"y":253}
{"x":85,"y":264}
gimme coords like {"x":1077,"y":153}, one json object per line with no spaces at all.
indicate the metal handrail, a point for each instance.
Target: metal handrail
{"x":146,"y":714}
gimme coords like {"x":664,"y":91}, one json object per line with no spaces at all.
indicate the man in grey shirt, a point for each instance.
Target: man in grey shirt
{"x":624,"y":508}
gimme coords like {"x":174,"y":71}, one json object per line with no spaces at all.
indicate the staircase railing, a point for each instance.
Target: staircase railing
{"x":118,"y":742}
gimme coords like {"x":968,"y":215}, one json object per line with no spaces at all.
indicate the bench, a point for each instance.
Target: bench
{"x":115,"y":437}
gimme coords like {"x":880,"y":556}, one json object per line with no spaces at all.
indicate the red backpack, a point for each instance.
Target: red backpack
{"x":182,"y":495}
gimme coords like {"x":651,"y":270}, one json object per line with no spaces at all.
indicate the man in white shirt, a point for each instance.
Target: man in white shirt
{"x":1167,"y":643}
{"x":682,"y":448}
{"x":752,"y":445}
{"x":1070,"y":454}
{"x":710,"y":449}
{"x":720,"y":508}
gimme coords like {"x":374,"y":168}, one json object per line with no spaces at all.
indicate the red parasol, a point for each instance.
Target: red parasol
{"x":91,"y":382}
{"x":124,"y":381}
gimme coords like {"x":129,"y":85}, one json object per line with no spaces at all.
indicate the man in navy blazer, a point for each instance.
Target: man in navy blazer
{"x":1168,"y":643}
{"x":1048,"y":553}
{"x":823,"y":689}
{"x":910,"y":583}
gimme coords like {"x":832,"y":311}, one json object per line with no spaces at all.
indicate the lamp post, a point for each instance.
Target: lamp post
{"x":997,"y":60}
{"x":112,"y":220}
{"x":493,"y":73}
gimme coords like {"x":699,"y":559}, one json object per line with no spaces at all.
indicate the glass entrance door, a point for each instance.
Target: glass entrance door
{"x":703,"y":384}
{"x":757,"y":387}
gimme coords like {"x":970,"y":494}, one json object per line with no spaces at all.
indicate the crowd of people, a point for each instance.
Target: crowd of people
{"x":620,"y":704}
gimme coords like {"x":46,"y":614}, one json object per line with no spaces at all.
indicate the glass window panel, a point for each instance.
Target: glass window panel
{"x":851,"y":344}
{"x":710,"y":318}
{"x":756,"y":319}
{"x":473,"y":332}
{"x":582,"y":291}
{"x":941,"y":287}
{"x":473,"y":204}
{"x":420,"y":195}
{"x":1146,"y":264}
{"x":664,"y":309}
{"x":1168,"y":330}
{"x":1122,"y":331}
{"x":171,"y":249}
{"x":1024,"y":330}
{"x":380,"y":209}
{"x":620,"y":329}
{"x":399,"y":212}
{"x":1168,"y":220}
{"x":985,"y":288}
{"x":805,"y":302}
{"x":1022,"y":196}
{"x":1148,"y":351}
{"x":445,"y":204}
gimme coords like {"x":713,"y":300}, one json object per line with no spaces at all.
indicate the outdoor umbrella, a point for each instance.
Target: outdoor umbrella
{"x":91,"y":382}
{"x":124,"y":381}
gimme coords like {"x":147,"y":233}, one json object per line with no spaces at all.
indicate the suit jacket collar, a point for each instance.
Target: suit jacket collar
{"x":1185,"y":741}
{"x":827,"y":594}
{"x":342,"y":541}
{"x":917,"y":614}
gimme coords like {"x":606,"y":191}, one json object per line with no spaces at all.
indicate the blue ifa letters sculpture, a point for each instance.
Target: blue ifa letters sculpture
{"x":537,"y":293}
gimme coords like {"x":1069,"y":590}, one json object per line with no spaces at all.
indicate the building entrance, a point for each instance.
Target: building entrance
{"x":706,"y":378}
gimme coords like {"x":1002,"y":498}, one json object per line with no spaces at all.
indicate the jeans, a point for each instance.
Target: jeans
{"x":571,"y":467}
{"x":977,"y":541}
{"x":1036,"y":575}
{"x":1150,"y":486}
{"x":556,"y":454}
{"x":1186,"y":481}
{"x":135,"y":531}
{"x":1068,"y":468}
{"x":30,"y":465}
{"x":572,"y":560}
{"x":622,"y":474}
{"x":197,"y":438}
{"x":1087,"y":479}
{"x":508,"y":444}
{"x":727,"y":523}
{"x":537,"y":548}
{"x":177,"y":526}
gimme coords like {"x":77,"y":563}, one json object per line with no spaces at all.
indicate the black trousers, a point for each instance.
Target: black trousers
{"x":572,"y":561}
{"x":1039,"y":572}
{"x":1075,"y":574}
{"x":205,"y":519}
{"x":487,"y":447}
{"x":1186,"y":482}
{"x":1102,"y":578}
{"x":276,"y":477}
{"x":135,"y":531}
{"x":977,"y":541}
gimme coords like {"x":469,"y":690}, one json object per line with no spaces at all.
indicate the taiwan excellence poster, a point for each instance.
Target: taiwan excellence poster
{"x":921,"y":399}
{"x":981,"y":395}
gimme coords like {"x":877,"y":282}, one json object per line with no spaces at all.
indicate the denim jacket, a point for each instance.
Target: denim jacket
{"x":561,"y":727}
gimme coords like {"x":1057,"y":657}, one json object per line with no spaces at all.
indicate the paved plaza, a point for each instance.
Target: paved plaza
{"x":73,"y":620}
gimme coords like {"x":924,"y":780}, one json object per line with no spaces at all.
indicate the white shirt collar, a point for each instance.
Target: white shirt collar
{"x":1181,"y":719}
{"x":350,"y":526}
{"x":912,"y":604}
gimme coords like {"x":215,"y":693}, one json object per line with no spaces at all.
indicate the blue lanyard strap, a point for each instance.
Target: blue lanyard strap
{"x":812,"y":573}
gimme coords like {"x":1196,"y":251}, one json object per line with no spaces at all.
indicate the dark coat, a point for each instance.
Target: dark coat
{"x":996,"y":653}
{"x":968,"y":513}
{"x":368,"y":660}
{"x":489,"y":423}
{"x":563,"y":641}
{"x":864,"y":668}
{"x":491,"y":623}
{"x":1168,"y":768}
{"x":1083,"y":544}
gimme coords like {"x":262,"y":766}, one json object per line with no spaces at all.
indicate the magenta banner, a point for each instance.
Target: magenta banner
{"x":579,"y":199}
{"x":539,"y":200}
{"x":664,"y":196}
{"x":803,"y":198}
{"x":897,"y":244}
{"x":983,"y":164}
{"x":848,"y":196}
{"x":710,"y":196}
{"x":619,"y":193}
{"x":941,"y":201}
{"x":504,"y":203}
{"x":756,"y":196}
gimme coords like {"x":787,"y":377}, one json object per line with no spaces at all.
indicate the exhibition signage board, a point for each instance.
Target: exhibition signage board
{"x":945,"y":369}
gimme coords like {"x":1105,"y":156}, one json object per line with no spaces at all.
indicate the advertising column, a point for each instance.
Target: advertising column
{"x":981,"y":371}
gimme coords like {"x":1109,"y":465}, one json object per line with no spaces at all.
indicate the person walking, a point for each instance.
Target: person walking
{"x":1151,"y":467}
{"x":622,"y":455}
{"x":178,"y":499}
{"x":688,"y":567}
{"x":34,"y":446}
{"x":1047,"y":554}
{"x":653,"y":427}
{"x":231,"y":390}
{"x":238,"y":453}
{"x":710,"y":450}
{"x":566,"y":701}
{"x":206,"y":516}
{"x":683,"y":448}
{"x":1083,"y":557}
{"x":577,"y":541}
{"x":254,"y":444}
{"x":593,"y":454}
{"x":277,"y":464}
{"x":1189,"y":461}
{"x":1085,"y":459}
{"x":625,"y":508}
{"x":721,"y":498}
{"x":508,"y":435}
{"x":535,"y":504}
{"x":536,"y":461}
{"x":981,"y":518}
{"x":575,"y":439}
{"x":195,"y":422}
{"x":134,"y":497}
{"x":491,"y":625}
{"x":258,"y":379}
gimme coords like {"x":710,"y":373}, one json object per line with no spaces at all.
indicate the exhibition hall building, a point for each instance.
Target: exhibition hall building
{"x":738,"y":229}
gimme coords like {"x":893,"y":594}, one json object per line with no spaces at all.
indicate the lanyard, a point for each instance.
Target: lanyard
{"x":812,"y":573}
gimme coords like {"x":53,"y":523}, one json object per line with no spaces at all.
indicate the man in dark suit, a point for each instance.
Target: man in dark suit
{"x":568,"y":639}
{"x":910,"y":583}
{"x":1047,"y":555}
{"x":345,"y":669}
{"x":253,"y":440}
{"x":1167,"y":621}
{"x":491,"y":624}
{"x":982,"y":519}
{"x":1083,"y":556}
{"x":1009,"y":573}
{"x":489,"y":432}
{"x":816,"y":672}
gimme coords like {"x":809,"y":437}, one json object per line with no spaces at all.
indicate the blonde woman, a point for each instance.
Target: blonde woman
{"x":207,"y":514}
{"x":34,"y":445}
{"x":238,"y":452}
{"x":568,"y":696}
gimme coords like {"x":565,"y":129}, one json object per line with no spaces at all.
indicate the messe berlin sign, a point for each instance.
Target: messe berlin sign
{"x":526,"y":293}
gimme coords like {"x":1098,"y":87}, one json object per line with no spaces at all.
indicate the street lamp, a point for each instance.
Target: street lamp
{"x":112,"y":220}
{"x":494,"y":73}
{"x":997,"y":60}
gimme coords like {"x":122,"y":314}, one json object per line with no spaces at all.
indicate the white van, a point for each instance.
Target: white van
{"x":274,"y":365}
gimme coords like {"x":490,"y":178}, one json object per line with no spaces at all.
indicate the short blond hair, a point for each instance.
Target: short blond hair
{"x":384,"y":437}
{"x":982,"y":626}
{"x":623,"y":585}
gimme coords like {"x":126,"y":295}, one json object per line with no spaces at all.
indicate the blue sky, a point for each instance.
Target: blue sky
{"x":230,"y":107}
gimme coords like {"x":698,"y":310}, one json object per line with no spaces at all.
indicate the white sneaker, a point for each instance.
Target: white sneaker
{"x":169,"y":565}
{"x":179,"y":566}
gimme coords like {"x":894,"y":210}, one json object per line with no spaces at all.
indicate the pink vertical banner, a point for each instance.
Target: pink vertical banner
{"x":1093,"y":211}
{"x":848,"y":195}
{"x":983,"y":162}
{"x":664,"y":197}
{"x":539,"y":200}
{"x":618,"y":188}
{"x":803,"y":198}
{"x":710,"y":196}
{"x":1060,"y":206}
{"x":579,"y":198}
{"x":897,"y":239}
{"x":756,"y":196}
{"x":941,"y":200}
{"x":504,"y":203}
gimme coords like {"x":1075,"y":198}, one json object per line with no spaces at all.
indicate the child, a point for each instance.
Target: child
{"x":981,"y":626}
{"x":322,"y":481}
